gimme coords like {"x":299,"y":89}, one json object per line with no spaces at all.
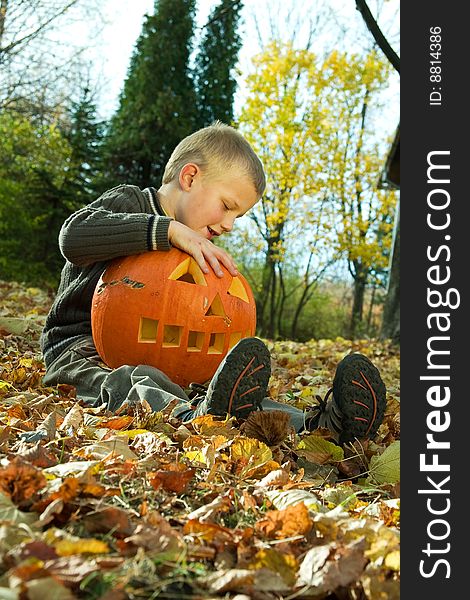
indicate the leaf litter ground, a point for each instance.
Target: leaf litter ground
{"x":136,"y":505}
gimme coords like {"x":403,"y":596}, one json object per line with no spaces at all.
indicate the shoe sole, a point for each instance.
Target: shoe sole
{"x":360,"y":394}
{"x":240,"y":383}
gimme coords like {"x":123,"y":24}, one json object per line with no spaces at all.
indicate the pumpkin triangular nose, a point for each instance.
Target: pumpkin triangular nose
{"x":216,"y":308}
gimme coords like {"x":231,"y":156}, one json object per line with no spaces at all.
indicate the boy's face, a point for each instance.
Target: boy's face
{"x":211,"y":205}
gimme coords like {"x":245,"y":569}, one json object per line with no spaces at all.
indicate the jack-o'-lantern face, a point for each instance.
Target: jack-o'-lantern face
{"x":160,"y":309}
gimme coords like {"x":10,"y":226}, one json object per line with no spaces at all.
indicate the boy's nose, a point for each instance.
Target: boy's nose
{"x":227,"y":224}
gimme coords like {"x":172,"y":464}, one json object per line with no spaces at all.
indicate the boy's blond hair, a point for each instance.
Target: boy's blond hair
{"x":216,"y":149}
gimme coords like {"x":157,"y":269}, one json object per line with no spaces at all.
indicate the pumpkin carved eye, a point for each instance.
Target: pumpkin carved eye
{"x":189,"y":272}
{"x":178,"y":319}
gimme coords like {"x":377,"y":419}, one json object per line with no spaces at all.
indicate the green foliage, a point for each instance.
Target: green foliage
{"x":215,"y":64}
{"x":46,"y":172}
{"x":158,"y":103}
{"x":33,"y":158}
{"x":85,"y":135}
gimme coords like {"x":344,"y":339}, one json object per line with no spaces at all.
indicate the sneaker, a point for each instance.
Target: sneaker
{"x":357,"y":404}
{"x":240,"y":383}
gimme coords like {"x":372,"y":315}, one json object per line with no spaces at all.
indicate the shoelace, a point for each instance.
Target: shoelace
{"x":198,"y":392}
{"x":325,"y":414}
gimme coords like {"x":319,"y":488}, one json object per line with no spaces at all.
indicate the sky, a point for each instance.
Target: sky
{"x":111,"y":51}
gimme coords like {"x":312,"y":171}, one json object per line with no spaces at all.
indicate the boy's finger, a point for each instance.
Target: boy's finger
{"x":214,"y":263}
{"x":229,"y":264}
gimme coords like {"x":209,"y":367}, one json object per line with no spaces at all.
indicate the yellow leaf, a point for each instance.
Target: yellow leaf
{"x":392,"y":560}
{"x":318,"y":450}
{"x":284,"y":564}
{"x":82,"y":546}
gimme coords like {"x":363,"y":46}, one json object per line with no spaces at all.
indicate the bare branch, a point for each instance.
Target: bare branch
{"x":379,"y":37}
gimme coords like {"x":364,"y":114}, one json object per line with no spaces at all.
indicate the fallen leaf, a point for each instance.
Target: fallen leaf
{"x":333,"y":566}
{"x":212,"y":425}
{"x":174,"y":479}
{"x":283,"y":499}
{"x":273,"y":479}
{"x":117,"y":422}
{"x":293,"y":521}
{"x":21,"y":481}
{"x":81,"y":546}
{"x":64,"y":469}
{"x":73,"y":420}
{"x":111,"y":519}
{"x":208,"y":532}
{"x":385,"y":468}
{"x":106,"y":449}
{"x":47,"y":587}
{"x":45,"y":431}
{"x":318,"y":450}
{"x":279,"y":562}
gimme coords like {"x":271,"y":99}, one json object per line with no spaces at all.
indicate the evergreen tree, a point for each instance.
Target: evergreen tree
{"x":85,"y":136}
{"x":157,"y":105}
{"x":215,"y":64}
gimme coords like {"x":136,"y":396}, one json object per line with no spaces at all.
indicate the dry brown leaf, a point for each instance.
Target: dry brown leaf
{"x":174,"y":479}
{"x":47,"y":587}
{"x":209,"y":532}
{"x":73,"y":419}
{"x":156,"y":537}
{"x":208,"y":511}
{"x":212,"y":425}
{"x":71,"y":570}
{"x":109,"y":520}
{"x":49,"y":425}
{"x":38,"y":456}
{"x":117,"y":422}
{"x":341,"y":566}
{"x":274,"y":478}
{"x":290,"y":522}
{"x":21,"y":481}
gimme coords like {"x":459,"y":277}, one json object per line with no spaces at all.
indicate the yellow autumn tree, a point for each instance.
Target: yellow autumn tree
{"x":363,"y":219}
{"x":308,"y":120}
{"x":285,"y":127}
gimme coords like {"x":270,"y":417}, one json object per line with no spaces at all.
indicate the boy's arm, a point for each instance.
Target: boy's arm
{"x":120,"y":223}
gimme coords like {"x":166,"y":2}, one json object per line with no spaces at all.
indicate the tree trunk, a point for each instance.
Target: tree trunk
{"x":360,"y":282}
{"x":391,"y":316}
{"x":3,"y":14}
{"x":271,"y":324}
{"x":371,"y":307}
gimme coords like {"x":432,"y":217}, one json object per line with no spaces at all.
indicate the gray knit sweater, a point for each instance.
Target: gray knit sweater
{"x":121,"y":222}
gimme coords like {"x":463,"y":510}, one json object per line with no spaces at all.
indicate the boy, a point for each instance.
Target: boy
{"x":212,"y":177}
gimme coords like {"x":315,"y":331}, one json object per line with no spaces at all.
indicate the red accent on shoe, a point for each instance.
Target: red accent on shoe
{"x":375,"y":401}
{"x":361,"y":404}
{"x":359,"y":384}
{"x":245,"y":406}
{"x":234,"y":389}
{"x":250,"y":390}
{"x":254,"y":370}
{"x":360,"y":419}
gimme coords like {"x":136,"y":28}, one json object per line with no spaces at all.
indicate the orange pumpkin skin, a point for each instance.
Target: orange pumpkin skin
{"x":160,"y":309}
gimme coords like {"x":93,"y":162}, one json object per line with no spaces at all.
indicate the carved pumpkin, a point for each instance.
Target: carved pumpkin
{"x":160,"y":309}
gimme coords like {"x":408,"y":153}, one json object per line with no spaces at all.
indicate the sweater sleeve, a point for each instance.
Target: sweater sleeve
{"x":120,"y":223}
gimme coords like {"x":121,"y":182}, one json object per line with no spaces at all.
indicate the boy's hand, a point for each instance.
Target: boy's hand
{"x":201,"y":249}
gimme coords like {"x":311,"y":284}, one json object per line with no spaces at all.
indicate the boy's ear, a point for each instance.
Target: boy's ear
{"x":187,"y":175}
